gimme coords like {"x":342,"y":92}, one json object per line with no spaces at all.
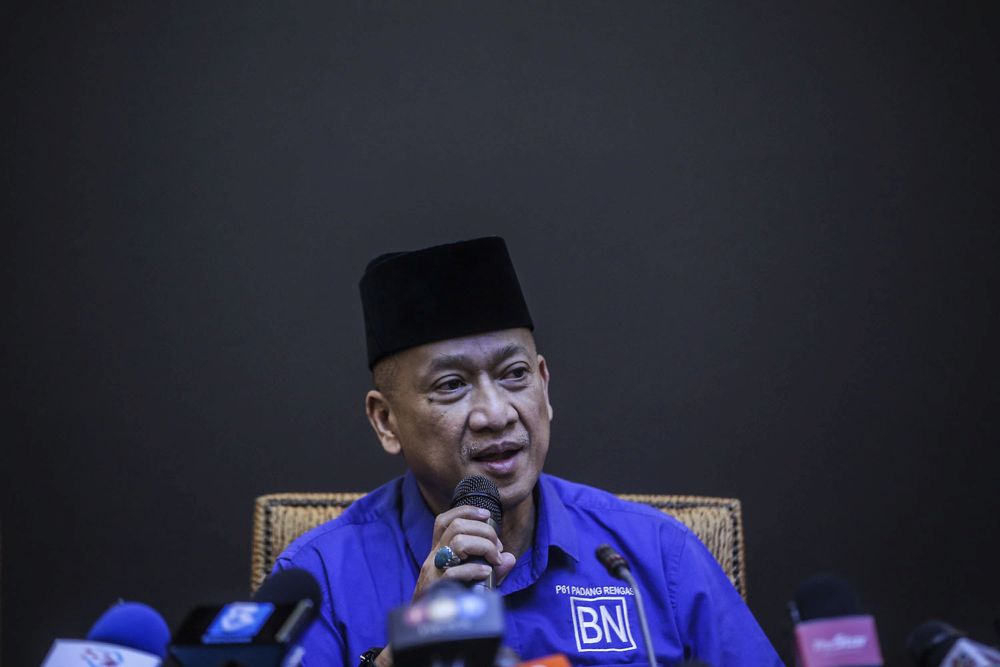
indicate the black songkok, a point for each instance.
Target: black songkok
{"x":442,"y":292}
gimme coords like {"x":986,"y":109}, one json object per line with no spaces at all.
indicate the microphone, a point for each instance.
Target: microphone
{"x":618,"y":567}
{"x":830,"y":629}
{"x":450,"y":625}
{"x":935,"y":643}
{"x":554,"y":660}
{"x":613,"y":561}
{"x":129,"y":634}
{"x":289,"y":587}
{"x":482,"y":492}
{"x":260,"y":633}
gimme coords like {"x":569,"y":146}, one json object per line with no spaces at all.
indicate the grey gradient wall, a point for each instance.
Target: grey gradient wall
{"x":759,"y":241}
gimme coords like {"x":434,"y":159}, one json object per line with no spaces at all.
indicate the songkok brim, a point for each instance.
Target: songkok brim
{"x":438,"y":293}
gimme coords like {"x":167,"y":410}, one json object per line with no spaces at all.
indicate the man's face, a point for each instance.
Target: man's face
{"x":477,"y":405}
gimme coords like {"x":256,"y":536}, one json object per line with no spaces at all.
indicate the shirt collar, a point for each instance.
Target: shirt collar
{"x":554,"y":525}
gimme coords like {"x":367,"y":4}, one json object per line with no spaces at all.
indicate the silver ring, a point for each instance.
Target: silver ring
{"x":445,"y":558}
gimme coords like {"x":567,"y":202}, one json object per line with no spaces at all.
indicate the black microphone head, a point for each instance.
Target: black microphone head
{"x":826,"y":596}
{"x":930,"y":642}
{"x":611,"y":559}
{"x":289,"y":586}
{"x":479,"y":491}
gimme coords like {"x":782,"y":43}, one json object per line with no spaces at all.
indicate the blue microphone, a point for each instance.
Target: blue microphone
{"x":134,"y":625}
{"x":129,"y":634}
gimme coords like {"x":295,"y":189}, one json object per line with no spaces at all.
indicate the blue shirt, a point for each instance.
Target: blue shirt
{"x":558,"y":597}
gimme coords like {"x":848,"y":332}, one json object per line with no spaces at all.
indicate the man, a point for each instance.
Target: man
{"x":461,"y":390}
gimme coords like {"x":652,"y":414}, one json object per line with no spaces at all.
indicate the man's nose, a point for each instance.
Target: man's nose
{"x":491,"y":410}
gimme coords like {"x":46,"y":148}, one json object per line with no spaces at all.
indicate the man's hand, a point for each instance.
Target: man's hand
{"x":465,"y":530}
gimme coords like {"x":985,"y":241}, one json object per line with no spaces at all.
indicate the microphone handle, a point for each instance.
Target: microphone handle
{"x":489,"y":581}
{"x":643,"y":623}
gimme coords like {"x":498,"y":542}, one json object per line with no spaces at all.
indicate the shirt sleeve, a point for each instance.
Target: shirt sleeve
{"x":323,"y":642}
{"x":714,"y":622}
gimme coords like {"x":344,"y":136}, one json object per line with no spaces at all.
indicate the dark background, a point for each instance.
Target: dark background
{"x":759,"y":242}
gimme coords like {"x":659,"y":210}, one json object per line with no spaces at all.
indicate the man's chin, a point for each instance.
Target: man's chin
{"x":514,"y":492}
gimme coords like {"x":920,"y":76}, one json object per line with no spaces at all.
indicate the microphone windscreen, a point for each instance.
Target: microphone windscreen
{"x":826,"y":596}
{"x":132,"y":625}
{"x":930,"y":641}
{"x":554,"y":660}
{"x":479,"y":491}
{"x":611,"y":559}
{"x":289,"y":586}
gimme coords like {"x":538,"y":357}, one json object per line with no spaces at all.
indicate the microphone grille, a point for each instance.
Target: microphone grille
{"x":826,"y":596}
{"x":479,"y":491}
{"x":931,"y":637}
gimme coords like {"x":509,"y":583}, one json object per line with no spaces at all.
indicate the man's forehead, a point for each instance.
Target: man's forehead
{"x":484,"y":348}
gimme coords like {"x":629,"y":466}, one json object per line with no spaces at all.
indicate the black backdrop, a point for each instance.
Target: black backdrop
{"x":760,"y":244}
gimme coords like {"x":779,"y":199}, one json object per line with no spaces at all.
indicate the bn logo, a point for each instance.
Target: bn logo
{"x":601,"y":624}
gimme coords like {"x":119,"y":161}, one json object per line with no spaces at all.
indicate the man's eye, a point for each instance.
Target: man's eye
{"x":517,"y":373}
{"x":451,"y":384}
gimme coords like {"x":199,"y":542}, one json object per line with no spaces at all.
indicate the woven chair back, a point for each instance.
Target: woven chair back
{"x":281,"y":517}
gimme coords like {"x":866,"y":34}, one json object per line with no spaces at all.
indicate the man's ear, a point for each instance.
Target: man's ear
{"x":543,"y":372}
{"x":383,"y":421}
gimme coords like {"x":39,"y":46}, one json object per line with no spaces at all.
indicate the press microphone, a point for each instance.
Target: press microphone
{"x":129,"y":634}
{"x":451,"y":625}
{"x":935,"y":643}
{"x":289,"y":586}
{"x":618,"y":567}
{"x":830,"y":628}
{"x":259,"y":633}
{"x":554,"y":660}
{"x":481,"y":492}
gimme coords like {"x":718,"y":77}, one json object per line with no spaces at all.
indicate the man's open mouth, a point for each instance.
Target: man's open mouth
{"x":496,"y":453}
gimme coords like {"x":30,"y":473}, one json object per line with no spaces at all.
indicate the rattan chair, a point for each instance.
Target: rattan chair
{"x":281,"y":517}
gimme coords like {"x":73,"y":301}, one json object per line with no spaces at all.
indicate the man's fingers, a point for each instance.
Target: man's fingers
{"x":507,"y":562}
{"x":473,"y":545}
{"x":467,"y":572}
{"x":469,"y":527}
{"x":465,"y":512}
{"x":465,"y":530}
